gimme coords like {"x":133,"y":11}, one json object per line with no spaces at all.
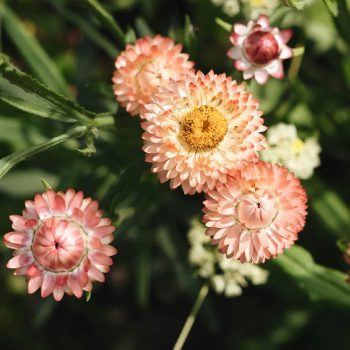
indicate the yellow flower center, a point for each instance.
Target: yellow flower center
{"x":257,"y":3}
{"x":203,"y":128}
{"x":297,"y":146}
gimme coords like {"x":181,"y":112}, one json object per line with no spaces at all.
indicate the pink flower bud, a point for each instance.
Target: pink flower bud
{"x":261,"y":47}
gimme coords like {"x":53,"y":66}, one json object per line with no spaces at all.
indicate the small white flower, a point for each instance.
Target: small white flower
{"x":232,"y":289}
{"x":231,"y":7}
{"x":255,"y":8}
{"x":226,"y":276}
{"x":286,"y":148}
{"x":218,"y":282}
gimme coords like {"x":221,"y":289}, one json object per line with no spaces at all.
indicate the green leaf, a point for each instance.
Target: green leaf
{"x":319,"y":282}
{"x":330,"y":208}
{"x":224,"y":25}
{"x":88,"y":29}
{"x":23,"y":183}
{"x":125,"y":184}
{"x":105,"y":19}
{"x":143,"y":266}
{"x":42,"y":110}
{"x":130,"y":36}
{"x":61,"y":104}
{"x":8,"y":162}
{"x":45,"y":184}
{"x":297,"y":4}
{"x":189,"y":34}
{"x":332,"y":7}
{"x":32,"y":52}
{"x":142,"y":27}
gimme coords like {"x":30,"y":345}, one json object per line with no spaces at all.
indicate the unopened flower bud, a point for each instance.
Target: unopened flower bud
{"x":261,"y":47}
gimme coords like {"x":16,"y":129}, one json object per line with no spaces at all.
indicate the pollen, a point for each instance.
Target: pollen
{"x":203,"y":128}
{"x":297,"y":146}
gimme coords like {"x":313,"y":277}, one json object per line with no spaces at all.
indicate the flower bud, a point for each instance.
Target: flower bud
{"x":261,"y":47}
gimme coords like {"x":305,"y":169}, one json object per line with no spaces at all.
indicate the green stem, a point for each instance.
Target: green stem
{"x":103,"y":122}
{"x":11,"y":160}
{"x":191,"y":317}
{"x":296,"y":63}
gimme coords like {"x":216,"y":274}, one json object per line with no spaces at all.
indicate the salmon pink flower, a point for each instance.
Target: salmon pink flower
{"x":199,"y":129}
{"x":257,"y":214}
{"x":259,"y":49}
{"x":145,"y":66}
{"x":61,"y":243}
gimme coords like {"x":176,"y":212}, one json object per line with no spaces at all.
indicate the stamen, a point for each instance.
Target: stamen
{"x":203,"y":128}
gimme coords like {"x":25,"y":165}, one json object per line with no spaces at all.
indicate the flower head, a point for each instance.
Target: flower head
{"x":286,"y":148}
{"x":145,"y":66}
{"x":226,"y":276}
{"x":259,"y":49}
{"x":199,"y":129}
{"x":61,"y":243}
{"x":257,"y":214}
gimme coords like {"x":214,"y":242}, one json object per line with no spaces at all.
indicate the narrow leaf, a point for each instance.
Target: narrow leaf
{"x":105,"y":19}
{"x":330,"y":208}
{"x":32,"y":52}
{"x":142,"y":27}
{"x":88,"y":29}
{"x":11,"y":160}
{"x":44,"y":111}
{"x":320,"y":283}
{"x":60,"y":103}
{"x":332,"y":7}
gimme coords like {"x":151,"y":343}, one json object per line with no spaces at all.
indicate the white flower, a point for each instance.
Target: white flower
{"x":286,"y":148}
{"x":255,"y":8}
{"x":226,"y":276}
{"x":231,"y":7}
{"x":252,"y":9}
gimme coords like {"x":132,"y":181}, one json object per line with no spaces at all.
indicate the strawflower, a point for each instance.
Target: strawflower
{"x":145,"y":66}
{"x":259,"y":49}
{"x":257,"y":214}
{"x":61,"y":243}
{"x":199,"y":129}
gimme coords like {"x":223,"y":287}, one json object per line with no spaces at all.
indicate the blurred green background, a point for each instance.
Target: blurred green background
{"x":151,"y":286}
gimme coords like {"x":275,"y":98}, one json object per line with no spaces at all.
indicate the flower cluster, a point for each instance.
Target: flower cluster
{"x":203,"y":133}
{"x":286,"y":148}
{"x":226,"y":276}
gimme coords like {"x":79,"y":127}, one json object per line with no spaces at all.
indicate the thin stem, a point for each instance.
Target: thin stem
{"x":191,"y":317}
{"x":103,"y":121}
